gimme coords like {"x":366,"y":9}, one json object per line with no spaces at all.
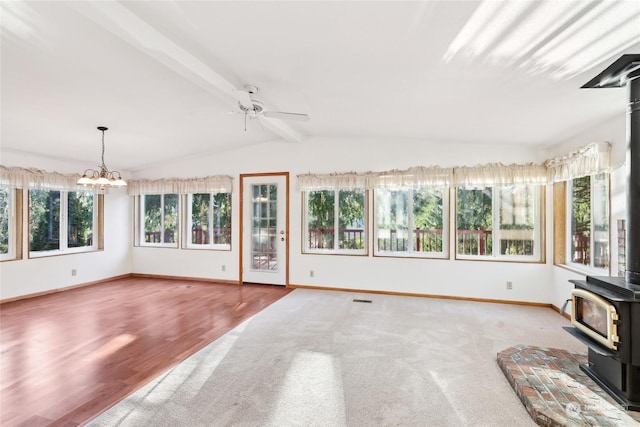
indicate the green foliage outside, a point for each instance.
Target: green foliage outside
{"x":589,"y":220}
{"x":220,"y":209}
{"x":157,"y":219}
{"x":581,"y":207}
{"x":80,"y":219}
{"x":321,"y":218}
{"x":427,"y":208}
{"x":4,"y":220}
{"x":44,"y":219}
{"x":392,"y":216}
{"x":474,"y":212}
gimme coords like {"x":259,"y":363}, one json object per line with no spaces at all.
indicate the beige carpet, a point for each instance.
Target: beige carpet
{"x":316,"y":358}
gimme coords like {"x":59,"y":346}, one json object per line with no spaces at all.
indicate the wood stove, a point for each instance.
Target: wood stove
{"x":606,"y":310}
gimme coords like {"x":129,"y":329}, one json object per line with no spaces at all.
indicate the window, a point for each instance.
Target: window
{"x":411,"y":221}
{"x":335,"y":221}
{"x":588,"y":221}
{"x":499,"y":222}
{"x":158,"y":220}
{"x":10,"y":223}
{"x":209,"y":222}
{"x":62,"y":221}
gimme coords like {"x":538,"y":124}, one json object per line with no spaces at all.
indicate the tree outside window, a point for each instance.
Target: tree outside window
{"x":335,"y":220}
{"x":410,"y":220}
{"x":589,"y":230}
{"x":502,"y":222}
{"x":61,"y":220}
{"x":4,"y":220}
{"x":160,"y":217}
{"x":210,"y":215}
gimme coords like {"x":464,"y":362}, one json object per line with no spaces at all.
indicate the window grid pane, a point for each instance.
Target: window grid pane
{"x":428,"y":219}
{"x":80,"y":208}
{"x":5,"y":218}
{"x":517,"y":220}
{"x":200,"y":218}
{"x":321,"y":214}
{"x":581,"y":220}
{"x":474,"y":221}
{"x":44,"y":220}
{"x":264,"y":227}
{"x":351,"y":210}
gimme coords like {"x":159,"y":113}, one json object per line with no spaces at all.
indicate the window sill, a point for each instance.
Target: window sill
{"x":588,"y":271}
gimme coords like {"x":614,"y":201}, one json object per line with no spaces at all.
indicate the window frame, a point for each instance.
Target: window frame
{"x":140,"y":221}
{"x":589,"y":269}
{"x":306,"y":249}
{"x":63,"y":229}
{"x":412,"y":253}
{"x":188,"y":243}
{"x":495,"y":255}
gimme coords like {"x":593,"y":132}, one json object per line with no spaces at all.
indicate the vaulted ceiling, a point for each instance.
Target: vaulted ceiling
{"x":166,"y":77}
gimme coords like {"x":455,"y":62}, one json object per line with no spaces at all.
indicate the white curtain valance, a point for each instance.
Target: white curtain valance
{"x":26,"y":178}
{"x":589,"y":160}
{"x":417,"y":176}
{"x":208,"y":184}
{"x":333,"y":181}
{"x":500,"y":174}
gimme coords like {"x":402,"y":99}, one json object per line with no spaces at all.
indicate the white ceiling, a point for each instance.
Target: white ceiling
{"x":158,"y":73}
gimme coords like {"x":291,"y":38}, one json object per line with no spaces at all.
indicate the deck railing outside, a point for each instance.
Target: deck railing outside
{"x":348,"y":238}
{"x":425,"y":241}
{"x":222,"y":235}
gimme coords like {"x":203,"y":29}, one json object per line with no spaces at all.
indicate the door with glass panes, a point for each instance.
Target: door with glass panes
{"x":264,"y":228}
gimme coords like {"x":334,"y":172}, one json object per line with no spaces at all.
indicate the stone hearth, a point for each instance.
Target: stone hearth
{"x":556,"y":392}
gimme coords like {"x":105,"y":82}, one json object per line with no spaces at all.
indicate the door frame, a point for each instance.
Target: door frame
{"x":286,"y":221}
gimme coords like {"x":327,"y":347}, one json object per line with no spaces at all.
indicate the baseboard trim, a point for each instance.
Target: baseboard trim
{"x":291,"y":286}
{"x":191,"y":279}
{"x":66,"y":288}
{"x":565,"y":314}
{"x":122,"y":276}
{"x":410,"y":294}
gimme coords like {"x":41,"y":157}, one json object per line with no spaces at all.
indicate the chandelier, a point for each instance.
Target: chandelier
{"x":104,"y":177}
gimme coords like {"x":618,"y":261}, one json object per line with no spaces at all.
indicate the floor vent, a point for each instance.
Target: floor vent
{"x":368,"y":301}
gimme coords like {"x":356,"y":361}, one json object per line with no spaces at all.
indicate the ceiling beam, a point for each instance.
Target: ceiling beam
{"x":123,"y":23}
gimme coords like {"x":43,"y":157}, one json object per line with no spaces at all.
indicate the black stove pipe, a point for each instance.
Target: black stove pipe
{"x":625,"y":71}
{"x":632,"y":236}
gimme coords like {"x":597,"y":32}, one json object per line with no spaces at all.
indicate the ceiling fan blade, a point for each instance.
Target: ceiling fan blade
{"x":300,"y":117}
{"x":280,"y":128}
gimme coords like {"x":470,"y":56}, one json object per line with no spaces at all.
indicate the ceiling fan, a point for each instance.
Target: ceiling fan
{"x":125,"y":24}
{"x":254,"y":108}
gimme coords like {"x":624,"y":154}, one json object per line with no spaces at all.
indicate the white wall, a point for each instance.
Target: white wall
{"x":476,"y":279}
{"x":540,"y":282}
{"x":29,"y":276}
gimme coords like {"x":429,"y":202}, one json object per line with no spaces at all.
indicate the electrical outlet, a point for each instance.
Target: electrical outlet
{"x":74,"y":272}
{"x":509,"y":285}
{"x":311,"y":273}
{"x":224,"y":267}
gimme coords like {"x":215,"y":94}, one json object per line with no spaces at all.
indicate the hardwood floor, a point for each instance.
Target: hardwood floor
{"x":66,"y":357}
